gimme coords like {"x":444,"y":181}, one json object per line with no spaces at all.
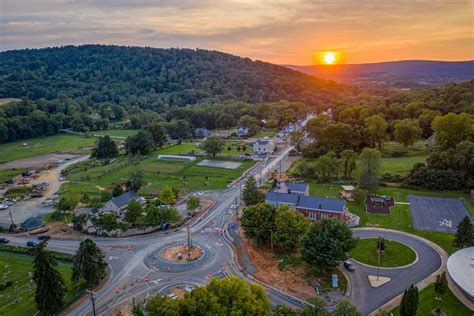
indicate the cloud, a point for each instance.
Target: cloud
{"x":276,"y":31}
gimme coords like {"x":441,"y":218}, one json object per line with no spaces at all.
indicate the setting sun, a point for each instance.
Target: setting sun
{"x":329,"y":58}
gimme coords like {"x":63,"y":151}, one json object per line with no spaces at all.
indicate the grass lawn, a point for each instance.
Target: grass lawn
{"x":263,"y":134}
{"x":395,"y":255}
{"x":42,"y":145}
{"x":449,"y":305}
{"x":180,"y":174}
{"x":19,"y":265}
{"x":6,"y":175}
{"x":400,"y":218}
{"x":233,"y":148}
{"x":119,"y":133}
{"x":183,"y":148}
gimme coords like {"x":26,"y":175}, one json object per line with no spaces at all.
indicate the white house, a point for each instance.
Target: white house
{"x":263,"y":146}
{"x":118,"y":204}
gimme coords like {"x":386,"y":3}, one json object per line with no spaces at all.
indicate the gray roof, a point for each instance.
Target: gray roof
{"x":124,"y":199}
{"x":262,"y":142}
{"x":32,"y":223}
{"x":319,"y":203}
{"x":306,"y":202}
{"x":285,"y":198}
{"x":294,"y":186}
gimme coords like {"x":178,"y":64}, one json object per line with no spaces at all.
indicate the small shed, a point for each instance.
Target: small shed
{"x":379,"y":204}
{"x":347,"y":192}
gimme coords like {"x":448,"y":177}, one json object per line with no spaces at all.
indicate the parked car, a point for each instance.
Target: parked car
{"x":31,"y":243}
{"x":3,"y":206}
{"x":3,"y":240}
{"x":349,"y":265}
{"x":44,"y":237}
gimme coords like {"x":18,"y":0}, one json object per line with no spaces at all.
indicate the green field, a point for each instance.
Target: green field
{"x":19,"y":265}
{"x":400,"y":218}
{"x":395,"y":255}
{"x":6,"y":175}
{"x":179,"y":174}
{"x":118,"y":133}
{"x":42,"y":145}
{"x":263,"y":134}
{"x":449,"y":305}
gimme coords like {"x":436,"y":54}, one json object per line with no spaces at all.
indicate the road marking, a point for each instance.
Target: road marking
{"x":111,"y":258}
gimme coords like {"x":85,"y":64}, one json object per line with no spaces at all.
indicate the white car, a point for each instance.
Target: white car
{"x":3,"y":206}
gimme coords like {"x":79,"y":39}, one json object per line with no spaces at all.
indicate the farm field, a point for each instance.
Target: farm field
{"x":42,"y":145}
{"x":449,"y":305}
{"x":400,"y":218}
{"x":118,"y":133}
{"x":20,"y":265}
{"x":183,"y":175}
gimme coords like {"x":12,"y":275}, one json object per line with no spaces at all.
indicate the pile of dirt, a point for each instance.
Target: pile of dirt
{"x":179,"y":254}
{"x":292,"y":280}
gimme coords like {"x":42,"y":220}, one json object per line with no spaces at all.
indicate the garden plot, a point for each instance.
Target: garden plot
{"x":219,"y":164}
{"x":436,"y":214}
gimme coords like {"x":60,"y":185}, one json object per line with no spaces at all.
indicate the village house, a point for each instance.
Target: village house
{"x":312,"y":207}
{"x":292,"y":187}
{"x":242,"y":131}
{"x":201,"y":132}
{"x":263,"y":146}
{"x":118,"y":205}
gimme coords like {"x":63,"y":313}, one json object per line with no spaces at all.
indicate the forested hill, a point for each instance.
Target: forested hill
{"x":155,"y":78}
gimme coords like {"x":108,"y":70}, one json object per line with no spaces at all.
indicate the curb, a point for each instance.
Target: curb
{"x":389,"y":268}
{"x":394,"y":302}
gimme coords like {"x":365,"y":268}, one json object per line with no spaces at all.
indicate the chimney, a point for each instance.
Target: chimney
{"x":320,"y":206}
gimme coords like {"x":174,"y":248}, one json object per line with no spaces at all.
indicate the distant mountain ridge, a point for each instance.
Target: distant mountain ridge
{"x":415,"y":72}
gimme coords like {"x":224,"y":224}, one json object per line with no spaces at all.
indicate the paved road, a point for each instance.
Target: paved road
{"x":133,"y":274}
{"x":369,"y":299}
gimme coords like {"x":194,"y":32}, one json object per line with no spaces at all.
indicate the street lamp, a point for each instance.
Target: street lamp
{"x":91,"y":293}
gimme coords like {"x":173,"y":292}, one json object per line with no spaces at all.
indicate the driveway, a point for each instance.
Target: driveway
{"x":22,"y":210}
{"x":369,"y":299}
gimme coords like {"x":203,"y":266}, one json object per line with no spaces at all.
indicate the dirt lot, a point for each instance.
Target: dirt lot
{"x":170,"y":254}
{"x":37,"y":162}
{"x":292,"y":280}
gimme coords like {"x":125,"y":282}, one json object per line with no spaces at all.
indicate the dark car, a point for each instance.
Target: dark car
{"x":349,"y":266}
{"x":31,"y":243}
{"x":44,"y":237}
{"x":3,"y":240}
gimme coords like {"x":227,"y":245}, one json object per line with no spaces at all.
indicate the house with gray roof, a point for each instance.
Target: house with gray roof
{"x":263,"y":146}
{"x":292,"y":187}
{"x":312,"y":207}
{"x":118,"y":204}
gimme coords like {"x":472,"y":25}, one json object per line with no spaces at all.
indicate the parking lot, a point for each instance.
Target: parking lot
{"x":436,"y":214}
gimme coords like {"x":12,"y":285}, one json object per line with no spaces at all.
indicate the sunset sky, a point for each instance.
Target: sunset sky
{"x":283,"y":32}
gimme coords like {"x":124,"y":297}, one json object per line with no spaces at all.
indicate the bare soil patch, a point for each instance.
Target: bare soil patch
{"x":38,"y":162}
{"x":178,"y":291}
{"x":180,"y":254}
{"x":293,"y":280}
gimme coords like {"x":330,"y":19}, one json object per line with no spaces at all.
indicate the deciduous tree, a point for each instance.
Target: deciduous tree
{"x":192,"y":203}
{"x":327,"y":243}
{"x":139,"y":144}
{"x":376,"y":130}
{"x":157,"y":131}
{"x":258,"y":222}
{"x":167,"y":196}
{"x":134,"y":210}
{"x":213,"y":145}
{"x":407,"y":131}
{"x":452,"y":128}
{"x":289,"y":225}
{"x":345,"y":308}
{"x":348,"y":162}
{"x":370,"y":163}
{"x":327,"y":166}
{"x":135,"y":181}
{"x":104,"y":148}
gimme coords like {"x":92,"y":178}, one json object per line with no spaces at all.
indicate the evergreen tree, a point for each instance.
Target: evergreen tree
{"x":381,"y":244}
{"x":89,"y":263}
{"x":464,"y":234}
{"x":344,"y":308}
{"x":167,"y":196}
{"x":409,"y":303}
{"x":50,"y":288}
{"x":440,"y":285}
{"x":250,"y":193}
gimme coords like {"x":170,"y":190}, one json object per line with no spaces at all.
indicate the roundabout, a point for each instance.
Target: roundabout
{"x":175,"y":257}
{"x":393,"y":255}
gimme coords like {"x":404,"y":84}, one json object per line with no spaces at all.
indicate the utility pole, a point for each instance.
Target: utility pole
{"x":378,"y":258}
{"x":271,"y":240}
{"x":189,"y":243}
{"x":11,"y":217}
{"x":91,"y":293}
